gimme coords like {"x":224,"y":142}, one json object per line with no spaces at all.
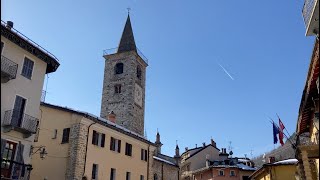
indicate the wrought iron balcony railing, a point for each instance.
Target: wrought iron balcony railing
{"x":8,"y":68}
{"x":23,"y":123}
{"x":114,"y":50}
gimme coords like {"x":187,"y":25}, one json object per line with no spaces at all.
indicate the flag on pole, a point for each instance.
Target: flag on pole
{"x":281,"y":128}
{"x":275,"y":132}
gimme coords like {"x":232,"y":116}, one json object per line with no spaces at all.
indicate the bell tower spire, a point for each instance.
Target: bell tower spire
{"x":127,"y":42}
{"x":124,"y":83}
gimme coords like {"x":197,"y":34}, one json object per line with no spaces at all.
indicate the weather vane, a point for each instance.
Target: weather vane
{"x":128,"y":10}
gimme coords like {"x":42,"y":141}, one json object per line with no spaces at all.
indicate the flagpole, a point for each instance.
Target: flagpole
{"x":284,"y":126}
{"x":283,"y":133}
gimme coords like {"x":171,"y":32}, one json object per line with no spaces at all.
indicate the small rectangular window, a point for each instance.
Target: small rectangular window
{"x":141,"y":177}
{"x":128,"y":176}
{"x":144,"y":155}
{"x":221,"y":173}
{"x":94,"y":171}
{"x":55,"y":132}
{"x":128,"y":149}
{"x":65,"y":135}
{"x":113,"y":174}
{"x":232,"y":173}
{"x":115,"y":144}
{"x":27,"y":68}
{"x":98,"y":139}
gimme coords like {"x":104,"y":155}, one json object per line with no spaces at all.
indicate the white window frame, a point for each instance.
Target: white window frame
{"x":222,"y":172}
{"x":234,"y":173}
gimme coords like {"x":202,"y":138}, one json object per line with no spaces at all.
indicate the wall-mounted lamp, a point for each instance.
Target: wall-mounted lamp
{"x":41,"y":149}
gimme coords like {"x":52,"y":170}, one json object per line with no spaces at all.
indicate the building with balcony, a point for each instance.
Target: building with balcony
{"x":24,"y":65}
{"x":307,"y":130}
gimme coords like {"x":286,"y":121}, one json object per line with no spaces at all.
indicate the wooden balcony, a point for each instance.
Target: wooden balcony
{"x":8,"y":69}
{"x":25,"y":124}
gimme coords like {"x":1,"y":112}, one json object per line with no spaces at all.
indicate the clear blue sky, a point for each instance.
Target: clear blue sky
{"x":189,"y":97}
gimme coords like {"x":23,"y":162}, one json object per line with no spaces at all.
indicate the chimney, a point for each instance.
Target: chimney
{"x":272,"y":159}
{"x":213,"y":143}
{"x":186,"y":148}
{"x":112,"y":117}
{"x":196,"y":145}
{"x":204,"y":144}
{"x":9,"y":24}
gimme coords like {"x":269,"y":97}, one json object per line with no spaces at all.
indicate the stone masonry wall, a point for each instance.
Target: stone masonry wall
{"x":168,"y":172}
{"x":128,"y":113}
{"x":77,"y":150}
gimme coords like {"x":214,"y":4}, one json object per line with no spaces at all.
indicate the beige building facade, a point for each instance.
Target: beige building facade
{"x":80,"y":145}
{"x":24,"y":65}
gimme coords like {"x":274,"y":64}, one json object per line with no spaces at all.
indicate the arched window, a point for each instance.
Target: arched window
{"x":118,"y":69}
{"x":117,"y":89}
{"x":139,"y":72}
{"x":155,"y":177}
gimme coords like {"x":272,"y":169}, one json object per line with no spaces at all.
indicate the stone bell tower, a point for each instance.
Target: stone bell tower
{"x":124,"y":83}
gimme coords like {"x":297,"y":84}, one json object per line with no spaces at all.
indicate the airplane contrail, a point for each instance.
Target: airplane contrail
{"x":225,"y":71}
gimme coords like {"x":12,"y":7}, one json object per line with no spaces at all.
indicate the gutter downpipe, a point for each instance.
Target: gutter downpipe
{"x":162,"y":171}
{"x":148,"y":162}
{"x":85,"y":155}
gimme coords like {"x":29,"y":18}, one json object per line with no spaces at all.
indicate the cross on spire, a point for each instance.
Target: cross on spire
{"x":129,"y":9}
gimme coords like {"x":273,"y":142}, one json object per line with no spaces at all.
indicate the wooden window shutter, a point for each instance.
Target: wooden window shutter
{"x":103,"y":140}
{"x":94,"y":136}
{"x":119,"y":146}
{"x":112,"y":143}
{"x":145,"y":155}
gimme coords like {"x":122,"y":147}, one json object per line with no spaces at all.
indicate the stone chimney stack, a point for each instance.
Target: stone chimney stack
{"x":213,"y":143}
{"x":9,"y":24}
{"x":186,"y":148}
{"x":112,"y":117}
{"x":204,"y":144}
{"x":272,"y":159}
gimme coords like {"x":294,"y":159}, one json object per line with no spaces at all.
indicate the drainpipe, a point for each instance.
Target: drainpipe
{"x":161,"y":171}
{"x":85,"y":155}
{"x":148,"y":162}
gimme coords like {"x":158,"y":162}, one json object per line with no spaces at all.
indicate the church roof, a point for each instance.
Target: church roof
{"x":127,"y":42}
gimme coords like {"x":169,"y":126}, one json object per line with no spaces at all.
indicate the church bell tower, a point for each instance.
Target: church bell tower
{"x":124,"y":83}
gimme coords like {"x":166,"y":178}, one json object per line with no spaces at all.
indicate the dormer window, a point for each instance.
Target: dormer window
{"x":139,"y":72}
{"x":118,"y":69}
